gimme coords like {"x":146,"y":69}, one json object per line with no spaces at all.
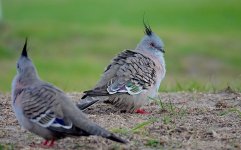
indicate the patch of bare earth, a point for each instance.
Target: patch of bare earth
{"x":178,"y":121}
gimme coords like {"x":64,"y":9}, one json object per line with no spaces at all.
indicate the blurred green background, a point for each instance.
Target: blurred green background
{"x":71,"y":41}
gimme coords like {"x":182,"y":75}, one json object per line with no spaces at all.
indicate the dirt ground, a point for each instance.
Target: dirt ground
{"x":178,"y":121}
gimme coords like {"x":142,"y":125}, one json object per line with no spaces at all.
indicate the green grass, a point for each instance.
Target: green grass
{"x":231,"y":110}
{"x":138,"y":128}
{"x":169,"y":114}
{"x":71,"y":42}
{"x":6,"y":146}
{"x":153,"y":143}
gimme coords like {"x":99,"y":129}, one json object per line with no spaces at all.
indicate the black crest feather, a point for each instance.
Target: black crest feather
{"x":24,"y":51}
{"x":148,"y":30}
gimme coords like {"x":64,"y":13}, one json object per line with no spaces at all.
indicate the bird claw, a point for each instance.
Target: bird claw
{"x":142,"y":111}
{"x":45,"y":144}
{"x":51,"y":143}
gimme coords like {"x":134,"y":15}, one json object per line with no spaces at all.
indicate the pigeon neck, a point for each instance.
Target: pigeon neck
{"x":28,"y":77}
{"x":160,"y":57}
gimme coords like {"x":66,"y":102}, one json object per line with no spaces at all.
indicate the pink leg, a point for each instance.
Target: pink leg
{"x":45,"y":142}
{"x":51,"y":143}
{"x":141,"y":111}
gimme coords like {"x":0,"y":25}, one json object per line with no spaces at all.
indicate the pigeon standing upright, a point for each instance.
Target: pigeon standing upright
{"x":45,"y":110}
{"x":133,"y":76}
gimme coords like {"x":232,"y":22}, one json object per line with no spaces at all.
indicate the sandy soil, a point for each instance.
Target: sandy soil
{"x":180,"y":121}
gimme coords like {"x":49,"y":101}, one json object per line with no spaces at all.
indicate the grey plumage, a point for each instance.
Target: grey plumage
{"x":45,"y":110}
{"x":133,"y":76}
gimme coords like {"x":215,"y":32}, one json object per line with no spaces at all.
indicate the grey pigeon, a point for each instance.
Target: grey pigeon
{"x":45,"y":110}
{"x":133,"y":76}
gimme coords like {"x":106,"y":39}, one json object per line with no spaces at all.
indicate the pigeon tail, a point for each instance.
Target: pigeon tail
{"x":116,"y":139}
{"x":85,"y":104}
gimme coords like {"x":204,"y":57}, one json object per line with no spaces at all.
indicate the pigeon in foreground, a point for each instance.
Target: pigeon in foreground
{"x":133,"y":77}
{"x":45,"y":110}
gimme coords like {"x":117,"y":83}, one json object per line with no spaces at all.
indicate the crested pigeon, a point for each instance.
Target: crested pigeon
{"x":133,"y":76}
{"x":45,"y":110}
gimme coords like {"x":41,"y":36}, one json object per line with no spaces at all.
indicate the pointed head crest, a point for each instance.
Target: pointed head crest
{"x":148,"y":30}
{"x":24,"y":51}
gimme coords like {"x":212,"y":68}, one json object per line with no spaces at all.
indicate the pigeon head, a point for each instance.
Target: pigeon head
{"x":24,"y":64}
{"x":150,"y":41}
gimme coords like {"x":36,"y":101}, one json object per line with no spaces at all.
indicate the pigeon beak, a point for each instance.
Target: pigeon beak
{"x":160,"y":49}
{"x":24,"y":51}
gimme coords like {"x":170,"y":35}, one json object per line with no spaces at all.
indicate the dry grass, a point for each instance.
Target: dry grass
{"x":178,"y":121}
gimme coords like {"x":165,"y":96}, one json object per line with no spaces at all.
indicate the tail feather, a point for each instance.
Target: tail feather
{"x":100,"y":91}
{"x":116,"y":139}
{"x":97,"y":130}
{"x":85,"y":104}
{"x":94,"y":129}
{"x":87,"y":101}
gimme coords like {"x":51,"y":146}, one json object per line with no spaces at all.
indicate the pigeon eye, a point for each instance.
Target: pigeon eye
{"x":152,"y":44}
{"x":18,"y":66}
